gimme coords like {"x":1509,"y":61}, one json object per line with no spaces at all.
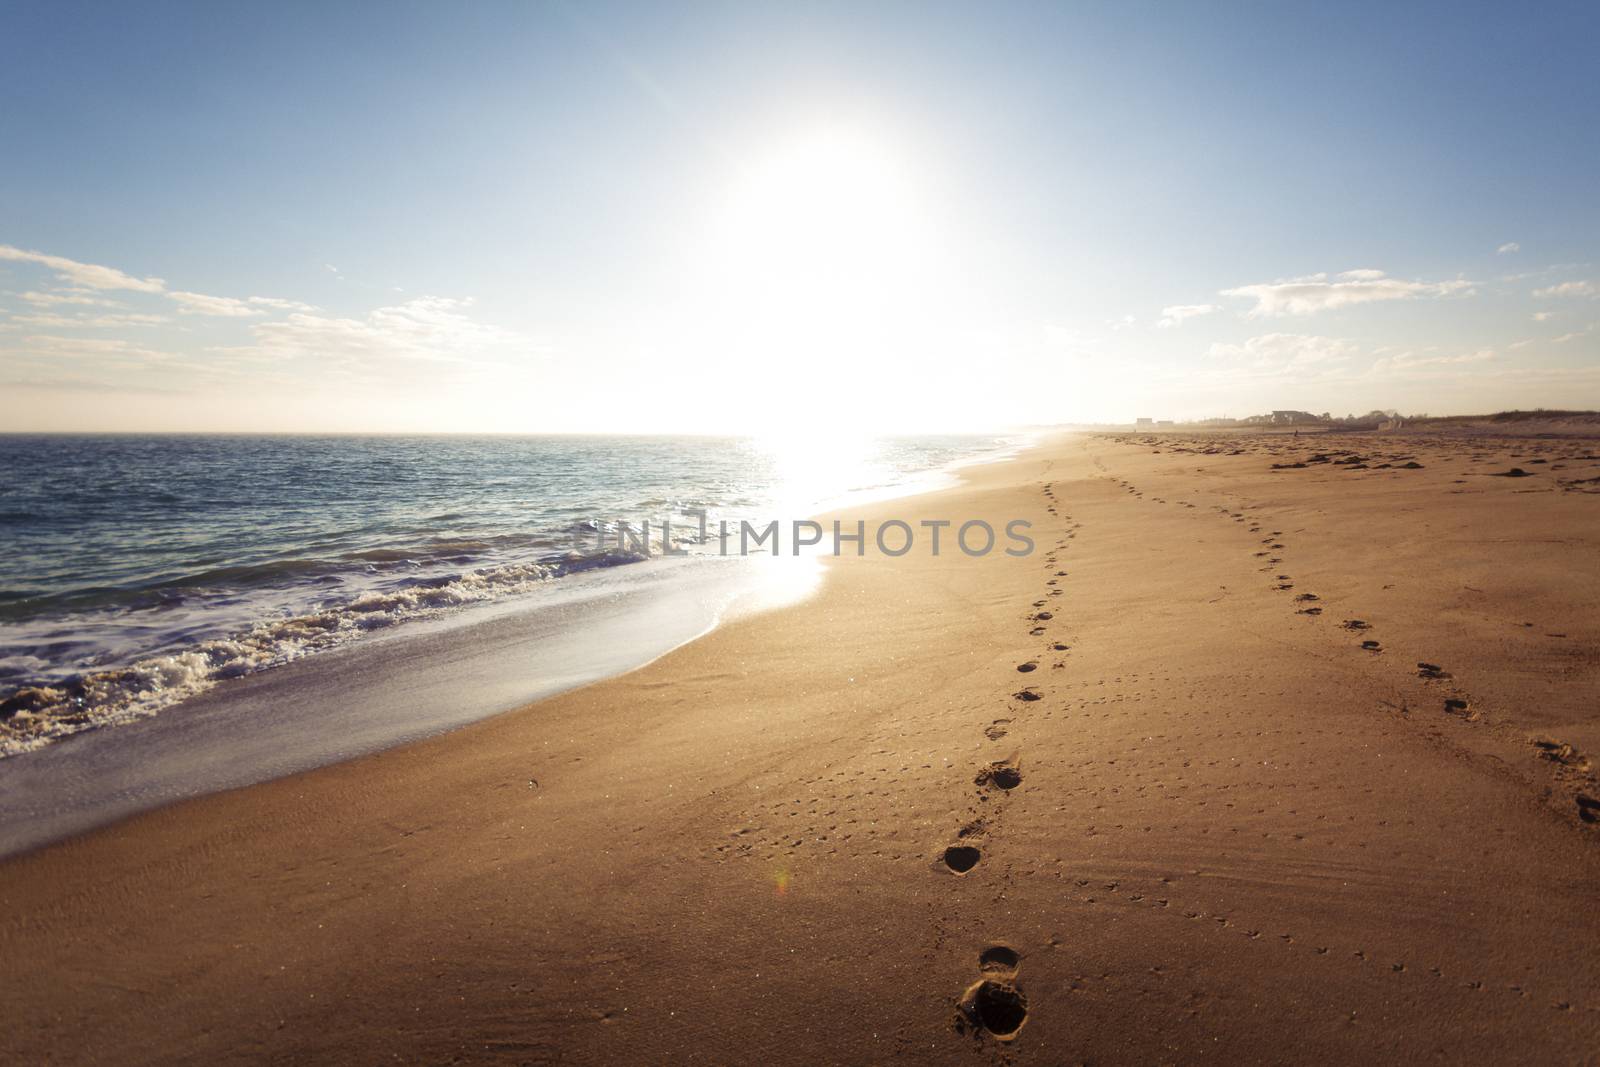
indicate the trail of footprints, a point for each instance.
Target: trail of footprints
{"x":1572,"y":768}
{"x":994,"y":1005}
{"x":1573,"y":771}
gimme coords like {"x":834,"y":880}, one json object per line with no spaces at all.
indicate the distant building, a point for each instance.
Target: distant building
{"x":1143,"y":424}
{"x":1163,"y":424}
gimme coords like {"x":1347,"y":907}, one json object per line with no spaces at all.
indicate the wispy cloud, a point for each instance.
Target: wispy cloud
{"x":221,"y":306}
{"x":1320,"y":292}
{"x":44,"y":336}
{"x":1282,"y":352}
{"x":87,"y":275}
{"x":1508,"y":248}
{"x":87,"y":279}
{"x":1174,"y":315}
{"x":1426,"y":364}
{"x":66,"y":296}
{"x":1582,"y":288}
{"x":282,"y":305}
{"x":425,"y":329}
{"x":51,"y":320}
{"x":106,"y":351}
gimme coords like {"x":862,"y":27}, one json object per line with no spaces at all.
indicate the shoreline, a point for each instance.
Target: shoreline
{"x":1192,"y":799}
{"x":584,"y":628}
{"x":132,"y":633}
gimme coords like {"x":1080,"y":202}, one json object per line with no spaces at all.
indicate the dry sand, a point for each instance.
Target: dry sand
{"x":1230,"y":834}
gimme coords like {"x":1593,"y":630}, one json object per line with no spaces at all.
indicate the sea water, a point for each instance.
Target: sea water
{"x":140,"y":571}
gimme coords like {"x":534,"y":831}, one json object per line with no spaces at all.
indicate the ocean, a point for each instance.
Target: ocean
{"x":140,"y":571}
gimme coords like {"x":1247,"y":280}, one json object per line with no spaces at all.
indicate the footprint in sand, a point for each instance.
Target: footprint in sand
{"x":1028,"y":695}
{"x":1560,"y":752}
{"x":997,"y":729}
{"x":999,"y":962}
{"x":996,"y":1008}
{"x":1026,"y":668}
{"x":1372,"y":646}
{"x":1431,"y":670}
{"x":1003,"y":775}
{"x":961,"y":858}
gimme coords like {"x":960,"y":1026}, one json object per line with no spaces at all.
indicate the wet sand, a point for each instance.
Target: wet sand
{"x":1199,"y":820}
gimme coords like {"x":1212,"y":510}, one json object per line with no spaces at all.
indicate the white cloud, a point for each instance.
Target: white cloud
{"x":87,"y":278}
{"x":1282,"y":352}
{"x":67,"y":296}
{"x":1543,"y":316}
{"x":1583,"y":288}
{"x":87,"y":275}
{"x":51,"y":320}
{"x":1405,"y":362}
{"x":223,"y":306}
{"x":425,"y":329}
{"x":1316,"y":292}
{"x":102,"y":351}
{"x":1574,"y":335}
{"x":282,"y":305}
{"x":1509,"y":246}
{"x":1174,"y":315}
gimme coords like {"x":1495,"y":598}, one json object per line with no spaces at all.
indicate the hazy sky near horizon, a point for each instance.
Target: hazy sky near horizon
{"x":773,"y":217}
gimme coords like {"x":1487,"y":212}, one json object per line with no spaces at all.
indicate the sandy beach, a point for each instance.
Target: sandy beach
{"x":1275,"y":750}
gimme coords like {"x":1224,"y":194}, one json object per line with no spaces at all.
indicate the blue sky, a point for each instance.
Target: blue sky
{"x":725,"y":217}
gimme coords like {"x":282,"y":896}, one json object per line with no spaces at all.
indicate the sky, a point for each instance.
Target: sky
{"x":757,"y":217}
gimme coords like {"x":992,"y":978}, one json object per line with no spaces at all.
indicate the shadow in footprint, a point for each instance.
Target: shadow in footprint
{"x":961,"y":858}
{"x":995,"y":1008}
{"x":1002,"y":775}
{"x":999,"y":961}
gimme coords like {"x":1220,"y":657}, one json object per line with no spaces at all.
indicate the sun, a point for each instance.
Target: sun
{"x":817,"y":250}
{"x":820,"y":259}
{"x":822,"y":202}
{"x":820,"y":231}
